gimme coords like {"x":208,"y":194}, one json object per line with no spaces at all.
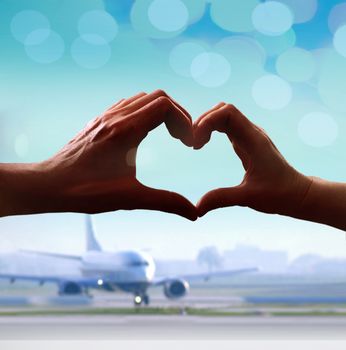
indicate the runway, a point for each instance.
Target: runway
{"x":262,"y":321}
{"x":216,"y":304}
{"x":119,"y":301}
{"x":171,"y":328}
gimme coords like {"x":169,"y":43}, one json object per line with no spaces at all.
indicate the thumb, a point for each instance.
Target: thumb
{"x":166,"y":201}
{"x":221,"y":198}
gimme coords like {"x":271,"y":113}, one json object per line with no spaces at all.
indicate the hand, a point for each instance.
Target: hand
{"x":270,"y":184}
{"x":96,"y":171}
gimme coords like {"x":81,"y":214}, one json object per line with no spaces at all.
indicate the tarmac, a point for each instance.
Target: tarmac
{"x":175,"y":327}
{"x":258,"y":324}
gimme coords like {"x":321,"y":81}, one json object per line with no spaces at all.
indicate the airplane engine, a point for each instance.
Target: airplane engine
{"x":176,"y":289}
{"x":70,"y":288}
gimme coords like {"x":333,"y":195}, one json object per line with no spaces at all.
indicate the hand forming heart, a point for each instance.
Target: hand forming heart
{"x":270,"y":184}
{"x":96,"y":171}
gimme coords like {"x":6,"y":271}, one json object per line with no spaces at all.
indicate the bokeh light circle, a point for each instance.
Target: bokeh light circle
{"x":339,"y":40}
{"x":233,"y":15}
{"x":240,"y":49}
{"x":272,"y":18}
{"x":210,"y":69}
{"x":271,"y":92}
{"x":275,"y":45}
{"x":196,"y":9}
{"x":168,"y":15}
{"x":90,"y":51}
{"x":99,"y":23}
{"x":331,"y":80}
{"x":337,"y":17}
{"x":182,"y":56}
{"x":296,"y":65}
{"x":247,"y":59}
{"x":25,"y":22}
{"x":303,"y":10}
{"x":37,"y":36}
{"x":318,"y":129}
{"x":143,"y":25}
{"x":44,"y":46}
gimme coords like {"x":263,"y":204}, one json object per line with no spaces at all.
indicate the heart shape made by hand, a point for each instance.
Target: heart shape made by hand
{"x":164,"y":163}
{"x":96,"y":171}
{"x":270,"y":184}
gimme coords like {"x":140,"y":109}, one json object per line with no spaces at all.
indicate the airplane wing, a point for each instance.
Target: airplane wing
{"x":82,"y":281}
{"x":204,"y":276}
{"x":12,"y":277}
{"x":53,"y":255}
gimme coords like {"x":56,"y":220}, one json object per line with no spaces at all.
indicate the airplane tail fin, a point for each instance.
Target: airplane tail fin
{"x":91,"y":241}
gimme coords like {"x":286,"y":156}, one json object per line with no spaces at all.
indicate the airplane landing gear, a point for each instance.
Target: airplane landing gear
{"x":137,"y":300}
{"x":140,"y":299}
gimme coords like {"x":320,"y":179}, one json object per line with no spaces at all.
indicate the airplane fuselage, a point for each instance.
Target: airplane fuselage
{"x":130,"y":271}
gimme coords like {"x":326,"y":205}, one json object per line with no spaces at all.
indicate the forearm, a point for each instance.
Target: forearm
{"x":25,"y":189}
{"x":325,"y":203}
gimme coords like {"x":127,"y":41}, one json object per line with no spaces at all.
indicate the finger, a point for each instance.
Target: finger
{"x":186,"y":113}
{"x":226,"y":119}
{"x":196,"y":122}
{"x":128,"y":101}
{"x":221,"y":198}
{"x":124,"y":102}
{"x":158,"y":111}
{"x":216,"y":107}
{"x":166,"y":201}
{"x":116,"y":104}
{"x":144,"y":100}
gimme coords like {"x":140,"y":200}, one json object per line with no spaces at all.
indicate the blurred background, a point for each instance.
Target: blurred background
{"x":282,"y":63}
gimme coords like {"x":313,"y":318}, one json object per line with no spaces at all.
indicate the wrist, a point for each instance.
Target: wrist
{"x":324,"y":202}
{"x":292,"y":195}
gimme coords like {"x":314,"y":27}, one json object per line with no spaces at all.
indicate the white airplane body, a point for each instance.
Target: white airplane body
{"x":129,"y":271}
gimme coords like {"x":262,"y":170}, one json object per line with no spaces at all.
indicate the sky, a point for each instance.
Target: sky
{"x":282,"y":63}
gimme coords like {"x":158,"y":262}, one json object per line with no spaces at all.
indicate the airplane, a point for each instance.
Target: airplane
{"x":128,"y":271}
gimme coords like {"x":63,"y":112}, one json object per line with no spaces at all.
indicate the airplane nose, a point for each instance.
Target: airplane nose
{"x":149,"y":273}
{"x":142,"y":274}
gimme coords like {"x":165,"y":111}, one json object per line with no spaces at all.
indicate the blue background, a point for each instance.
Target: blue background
{"x":58,"y":72}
